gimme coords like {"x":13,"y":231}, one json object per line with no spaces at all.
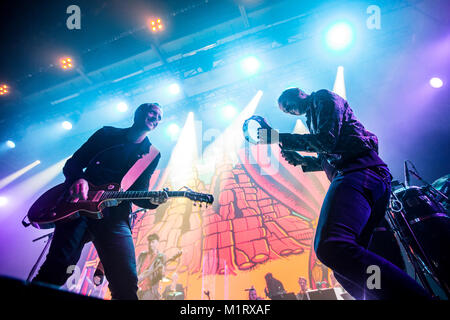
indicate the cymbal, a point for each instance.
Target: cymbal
{"x":439,"y":184}
{"x":166,"y":279}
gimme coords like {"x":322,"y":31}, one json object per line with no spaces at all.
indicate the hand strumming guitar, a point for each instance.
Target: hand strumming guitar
{"x":79,"y":190}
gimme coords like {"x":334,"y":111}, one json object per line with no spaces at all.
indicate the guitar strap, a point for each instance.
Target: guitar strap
{"x":138,"y":168}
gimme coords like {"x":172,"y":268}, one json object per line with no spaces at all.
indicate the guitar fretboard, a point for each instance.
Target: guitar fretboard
{"x":134,"y":195}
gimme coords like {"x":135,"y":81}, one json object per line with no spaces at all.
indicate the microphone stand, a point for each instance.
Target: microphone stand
{"x":50,"y":237}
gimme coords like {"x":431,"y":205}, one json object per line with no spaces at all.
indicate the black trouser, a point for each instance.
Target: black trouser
{"x":113,"y":241}
{"x":354,"y":205}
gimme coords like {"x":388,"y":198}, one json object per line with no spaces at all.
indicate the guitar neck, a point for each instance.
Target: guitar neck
{"x":136,"y":195}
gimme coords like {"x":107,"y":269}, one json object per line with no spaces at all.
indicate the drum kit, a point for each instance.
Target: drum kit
{"x":418,"y":217}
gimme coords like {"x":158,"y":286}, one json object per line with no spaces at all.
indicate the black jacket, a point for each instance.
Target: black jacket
{"x":342,"y":142}
{"x":105,"y":158}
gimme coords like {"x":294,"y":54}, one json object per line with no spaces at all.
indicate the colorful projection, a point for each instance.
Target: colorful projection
{"x":263,"y":221}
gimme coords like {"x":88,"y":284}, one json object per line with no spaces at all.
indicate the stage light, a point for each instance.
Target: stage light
{"x":250,"y":65}
{"x":184,"y":156}
{"x":436,"y":82}
{"x":122,"y":107}
{"x":66,"y":63}
{"x":155,"y":25}
{"x":7,"y":180}
{"x":228,"y":142}
{"x":27,"y":189}
{"x":174,"y":88}
{"x":3,"y":89}
{"x":66,"y":125}
{"x":229,"y":111}
{"x":3,"y":201}
{"x":173,"y":130}
{"x":339,"y":83}
{"x":339,"y":36}
{"x":10,"y":144}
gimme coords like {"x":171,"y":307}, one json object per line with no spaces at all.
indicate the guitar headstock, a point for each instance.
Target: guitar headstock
{"x":200,"y":197}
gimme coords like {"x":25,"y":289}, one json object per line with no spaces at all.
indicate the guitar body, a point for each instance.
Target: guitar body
{"x":54,"y":205}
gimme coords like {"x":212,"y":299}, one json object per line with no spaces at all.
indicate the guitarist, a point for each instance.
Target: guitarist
{"x":150,"y":276}
{"x":105,"y":158}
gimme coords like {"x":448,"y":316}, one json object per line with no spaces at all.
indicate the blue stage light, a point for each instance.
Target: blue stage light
{"x":174,"y":88}
{"x":250,"y":65}
{"x":229,"y":111}
{"x":66,"y":125}
{"x":173,"y":130}
{"x":122,"y":107}
{"x":10,"y":144}
{"x":339,"y":36}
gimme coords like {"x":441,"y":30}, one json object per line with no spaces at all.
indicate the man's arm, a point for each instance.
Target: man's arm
{"x":307,"y":163}
{"x":73,"y":169}
{"x":143,"y":182}
{"x":329,"y":121}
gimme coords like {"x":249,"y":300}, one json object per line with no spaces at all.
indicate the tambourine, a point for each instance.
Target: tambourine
{"x":259,"y":121}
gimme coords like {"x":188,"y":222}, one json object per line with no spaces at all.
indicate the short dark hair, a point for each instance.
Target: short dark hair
{"x":291,"y":93}
{"x":144,"y":108}
{"x":152,"y":236}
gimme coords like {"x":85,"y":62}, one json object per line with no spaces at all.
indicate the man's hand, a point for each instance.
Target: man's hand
{"x":267,"y":136}
{"x":160,"y":199}
{"x":293,"y":158}
{"x":79,"y":190}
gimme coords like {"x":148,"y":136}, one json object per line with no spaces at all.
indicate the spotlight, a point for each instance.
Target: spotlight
{"x":173,"y":130}
{"x":3,"y":89}
{"x":67,"y":125}
{"x":339,"y":36}
{"x":229,"y":111}
{"x":10,"y":144}
{"x":155,"y":25}
{"x":174,"y":88}
{"x":66,"y":63}
{"x":122,"y":107}
{"x":3,"y":201}
{"x":250,"y":65}
{"x":436,"y":82}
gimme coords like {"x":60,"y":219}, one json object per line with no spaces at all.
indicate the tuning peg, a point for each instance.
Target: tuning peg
{"x":195,"y":204}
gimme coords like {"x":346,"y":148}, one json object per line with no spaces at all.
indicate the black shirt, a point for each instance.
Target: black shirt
{"x":105,"y":158}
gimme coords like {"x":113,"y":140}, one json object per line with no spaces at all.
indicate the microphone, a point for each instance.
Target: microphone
{"x":407,"y":176}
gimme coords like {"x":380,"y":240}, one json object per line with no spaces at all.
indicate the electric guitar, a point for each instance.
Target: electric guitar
{"x":155,"y":271}
{"x":54,"y":205}
{"x":154,"y":274}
